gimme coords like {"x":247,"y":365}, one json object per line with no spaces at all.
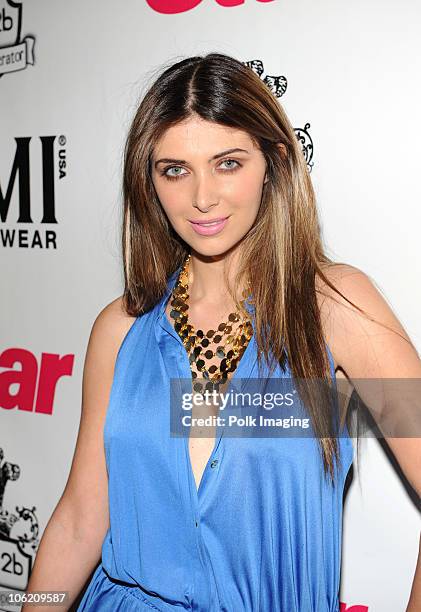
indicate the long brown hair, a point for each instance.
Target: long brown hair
{"x":282,"y":254}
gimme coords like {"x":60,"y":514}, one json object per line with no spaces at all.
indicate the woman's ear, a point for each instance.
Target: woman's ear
{"x":283,"y":150}
{"x":284,"y":154}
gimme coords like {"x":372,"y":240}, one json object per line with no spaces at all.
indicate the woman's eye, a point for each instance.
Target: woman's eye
{"x":177,"y":174}
{"x":231,"y":161}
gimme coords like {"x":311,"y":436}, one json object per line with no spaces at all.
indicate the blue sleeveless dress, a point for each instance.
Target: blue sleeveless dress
{"x":263,"y":531}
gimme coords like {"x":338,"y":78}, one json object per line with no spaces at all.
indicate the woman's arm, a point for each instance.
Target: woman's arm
{"x":71,"y":544}
{"x":385,"y":370}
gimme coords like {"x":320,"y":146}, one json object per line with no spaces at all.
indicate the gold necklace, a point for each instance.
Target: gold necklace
{"x":230,"y":346}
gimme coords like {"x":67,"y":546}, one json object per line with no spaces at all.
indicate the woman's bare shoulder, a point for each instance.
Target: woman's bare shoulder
{"x":112,"y":324}
{"x":346,"y":279}
{"x":337,"y":274}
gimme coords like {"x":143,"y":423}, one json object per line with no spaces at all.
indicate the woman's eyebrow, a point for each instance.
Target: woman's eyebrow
{"x":168,"y":160}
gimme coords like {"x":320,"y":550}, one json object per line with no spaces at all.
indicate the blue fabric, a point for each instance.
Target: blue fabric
{"x":262,"y":534}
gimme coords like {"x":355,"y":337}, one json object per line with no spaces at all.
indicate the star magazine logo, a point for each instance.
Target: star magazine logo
{"x":15,"y":53}
{"x":31,"y":388}
{"x":172,"y":7}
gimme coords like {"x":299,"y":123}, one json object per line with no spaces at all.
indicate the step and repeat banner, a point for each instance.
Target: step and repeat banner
{"x":71,"y":76}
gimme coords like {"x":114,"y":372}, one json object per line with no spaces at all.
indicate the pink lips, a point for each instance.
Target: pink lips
{"x":210,"y":227}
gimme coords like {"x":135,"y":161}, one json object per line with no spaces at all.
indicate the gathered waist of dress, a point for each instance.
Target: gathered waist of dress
{"x":147,"y":600}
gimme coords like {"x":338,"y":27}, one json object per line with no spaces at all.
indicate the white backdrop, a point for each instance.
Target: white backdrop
{"x":74,"y":72}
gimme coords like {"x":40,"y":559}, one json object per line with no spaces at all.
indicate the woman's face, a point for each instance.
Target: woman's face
{"x":204,"y":172}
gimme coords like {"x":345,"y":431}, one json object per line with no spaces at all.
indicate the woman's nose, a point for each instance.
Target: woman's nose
{"x":205,"y":192}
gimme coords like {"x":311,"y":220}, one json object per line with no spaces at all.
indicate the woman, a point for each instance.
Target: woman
{"x":226,"y":280}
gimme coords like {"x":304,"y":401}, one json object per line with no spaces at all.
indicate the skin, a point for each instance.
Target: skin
{"x":229,"y":186}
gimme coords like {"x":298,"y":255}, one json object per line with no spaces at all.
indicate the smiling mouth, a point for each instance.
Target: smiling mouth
{"x":209,"y":223}
{"x":209,"y":228}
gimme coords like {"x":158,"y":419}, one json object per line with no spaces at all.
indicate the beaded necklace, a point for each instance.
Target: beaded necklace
{"x":198,"y":344}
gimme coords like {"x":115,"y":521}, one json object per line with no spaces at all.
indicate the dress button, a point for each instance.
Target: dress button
{"x":214,"y":463}
{"x":197,"y":523}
